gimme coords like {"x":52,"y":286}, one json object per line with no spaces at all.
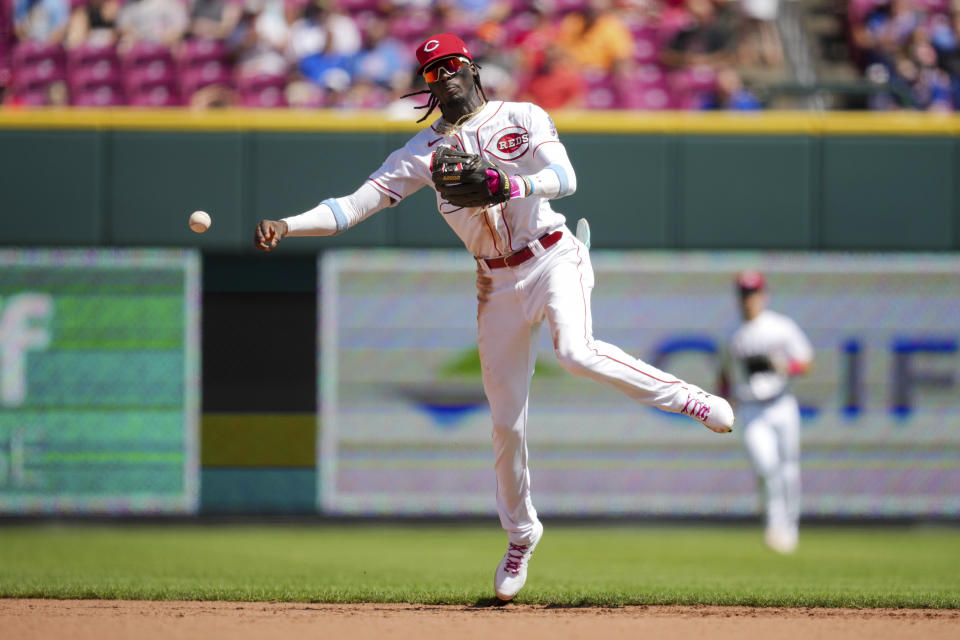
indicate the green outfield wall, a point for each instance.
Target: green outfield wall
{"x":859,"y":181}
{"x":130,"y":178}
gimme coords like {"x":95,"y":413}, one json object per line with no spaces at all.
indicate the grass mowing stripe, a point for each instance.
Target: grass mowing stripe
{"x":574,"y":566}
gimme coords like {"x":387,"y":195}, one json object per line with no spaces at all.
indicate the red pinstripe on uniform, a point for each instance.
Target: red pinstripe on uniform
{"x":479,"y":146}
{"x":540,"y":145}
{"x":586,"y":337}
{"x":383,"y":188}
{"x":496,"y":236}
{"x":493,"y":232}
{"x":503,"y":214}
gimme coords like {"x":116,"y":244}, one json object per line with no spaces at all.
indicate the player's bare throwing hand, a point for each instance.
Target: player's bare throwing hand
{"x":269,"y":233}
{"x":495,"y":167}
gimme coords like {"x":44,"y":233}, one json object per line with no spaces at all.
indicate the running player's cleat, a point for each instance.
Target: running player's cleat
{"x":713,"y":411}
{"x":780,"y":540}
{"x":512,"y":571}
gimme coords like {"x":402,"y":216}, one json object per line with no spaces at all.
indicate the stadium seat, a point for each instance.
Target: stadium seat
{"x":42,"y":72}
{"x":87,"y":55}
{"x":157,"y":72}
{"x":562,"y":7}
{"x":30,"y":84}
{"x":144,"y":54}
{"x":102,"y":73}
{"x":262,"y":91}
{"x":517,"y":25}
{"x":154,"y":94}
{"x":650,"y":75}
{"x":152,"y":85}
{"x":206,"y":75}
{"x":98,"y":95}
{"x":29,"y":52}
{"x":411,"y":26}
{"x":199,"y":51}
{"x":599,"y":92}
{"x":645,"y":48}
{"x":651,"y":99}
{"x":31,"y":96}
{"x":356,"y":6}
{"x":934,"y":6}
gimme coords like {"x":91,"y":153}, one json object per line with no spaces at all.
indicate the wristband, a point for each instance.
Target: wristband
{"x":517,"y":184}
{"x":517,"y":187}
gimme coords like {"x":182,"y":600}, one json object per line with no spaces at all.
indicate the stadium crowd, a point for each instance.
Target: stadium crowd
{"x":594,"y":54}
{"x":910,"y":49}
{"x":634,"y":54}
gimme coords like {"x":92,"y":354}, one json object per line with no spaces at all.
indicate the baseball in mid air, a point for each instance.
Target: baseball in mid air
{"x":200,"y":221}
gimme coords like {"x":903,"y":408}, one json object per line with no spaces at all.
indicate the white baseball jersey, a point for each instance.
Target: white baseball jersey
{"x":551,"y":285}
{"x":518,"y":137}
{"x":759,"y":352}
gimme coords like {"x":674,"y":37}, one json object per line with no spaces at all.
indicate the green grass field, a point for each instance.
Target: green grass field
{"x":573,"y":566}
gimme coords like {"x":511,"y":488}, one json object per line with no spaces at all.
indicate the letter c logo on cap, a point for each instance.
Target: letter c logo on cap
{"x":430,"y":46}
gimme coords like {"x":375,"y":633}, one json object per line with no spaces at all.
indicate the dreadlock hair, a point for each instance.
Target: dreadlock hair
{"x":433,"y":102}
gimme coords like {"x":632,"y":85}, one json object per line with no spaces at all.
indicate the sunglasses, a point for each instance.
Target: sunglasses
{"x":452,"y":65}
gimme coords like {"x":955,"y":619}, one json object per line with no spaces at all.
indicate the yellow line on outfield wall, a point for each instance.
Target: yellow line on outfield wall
{"x":633,"y":122}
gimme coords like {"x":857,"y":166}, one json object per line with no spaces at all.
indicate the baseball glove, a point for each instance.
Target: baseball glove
{"x":467,"y":180}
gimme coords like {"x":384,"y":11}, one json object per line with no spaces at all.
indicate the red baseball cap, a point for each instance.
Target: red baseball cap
{"x":751,"y":280}
{"x":441,"y":45}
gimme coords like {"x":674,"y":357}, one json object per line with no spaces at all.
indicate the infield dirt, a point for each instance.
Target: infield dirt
{"x":26,"y":619}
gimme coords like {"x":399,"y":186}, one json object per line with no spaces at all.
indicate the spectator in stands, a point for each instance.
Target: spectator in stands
{"x":214,"y":96}
{"x":883,"y":33}
{"x":307,"y":34}
{"x":759,"y":38}
{"x":386,"y":61}
{"x":707,"y":38}
{"x":43,"y":21}
{"x":158,"y":21}
{"x":476,"y":9}
{"x":214,"y":19}
{"x":596,"y":38}
{"x":556,"y":84}
{"x":930,"y":85}
{"x":261,"y":37}
{"x":93,"y":23}
{"x":363,"y":94}
{"x":531,"y":45}
{"x":730,"y":94}
{"x":346,"y":38}
{"x":909,"y":52}
{"x":6,"y":44}
{"x":324,"y":44}
{"x":403,"y":104}
{"x":318,"y":55}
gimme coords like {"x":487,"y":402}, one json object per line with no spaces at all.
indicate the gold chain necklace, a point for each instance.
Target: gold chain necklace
{"x":463,"y":119}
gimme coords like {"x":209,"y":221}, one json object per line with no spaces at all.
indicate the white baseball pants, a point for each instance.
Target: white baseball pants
{"x":772,"y":436}
{"x":513,"y":302}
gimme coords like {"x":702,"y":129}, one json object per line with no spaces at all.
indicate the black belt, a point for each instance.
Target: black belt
{"x":546,"y":241}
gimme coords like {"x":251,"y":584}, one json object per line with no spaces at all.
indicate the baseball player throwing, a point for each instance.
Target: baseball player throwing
{"x":495,"y":167}
{"x":761,"y":356}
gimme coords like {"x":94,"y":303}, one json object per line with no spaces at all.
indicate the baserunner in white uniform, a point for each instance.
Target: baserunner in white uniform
{"x":530,"y":268}
{"x":761,"y":357}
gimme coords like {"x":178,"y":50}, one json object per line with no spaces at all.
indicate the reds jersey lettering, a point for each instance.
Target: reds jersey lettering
{"x":512,"y":141}
{"x":509,"y":144}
